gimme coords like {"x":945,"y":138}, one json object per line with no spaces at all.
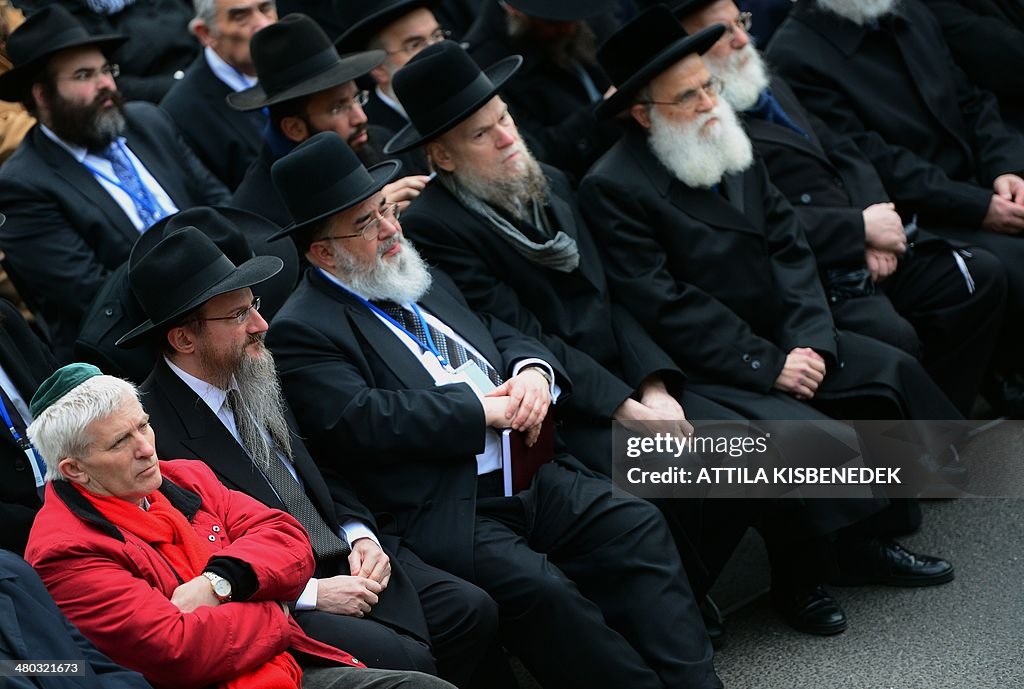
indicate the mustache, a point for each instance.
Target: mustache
{"x":359,"y":131}
{"x":385,"y":245}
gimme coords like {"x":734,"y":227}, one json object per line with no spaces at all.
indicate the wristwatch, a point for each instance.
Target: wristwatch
{"x":541,"y":370}
{"x":221,"y":586}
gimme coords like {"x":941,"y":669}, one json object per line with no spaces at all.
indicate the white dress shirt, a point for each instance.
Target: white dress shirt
{"x":235,"y":80}
{"x":216,"y":399}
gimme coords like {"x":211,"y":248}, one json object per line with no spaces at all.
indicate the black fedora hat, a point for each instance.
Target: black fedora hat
{"x":184,"y":270}
{"x":562,"y":10}
{"x":323,"y":176}
{"x":644,"y":48}
{"x":294,"y":58}
{"x":364,"y":19}
{"x":440,"y":87}
{"x":240,"y":235}
{"x":680,"y":8}
{"x":44,"y":33}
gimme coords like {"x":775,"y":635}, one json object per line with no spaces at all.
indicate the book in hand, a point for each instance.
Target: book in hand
{"x":519,"y":462}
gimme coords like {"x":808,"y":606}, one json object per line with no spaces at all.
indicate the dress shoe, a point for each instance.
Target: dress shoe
{"x":884,"y":561}
{"x":712,"y":617}
{"x":809,"y":609}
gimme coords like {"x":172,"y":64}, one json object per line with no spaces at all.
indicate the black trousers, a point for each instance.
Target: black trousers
{"x":590,"y":588}
{"x":926,"y":309}
{"x":426,"y":620}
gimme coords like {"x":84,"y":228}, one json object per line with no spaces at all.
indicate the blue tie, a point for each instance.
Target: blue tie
{"x":767,"y":108}
{"x":131,"y":183}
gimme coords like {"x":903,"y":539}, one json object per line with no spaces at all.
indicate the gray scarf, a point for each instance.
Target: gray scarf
{"x":560,"y":253}
{"x":108,"y":7}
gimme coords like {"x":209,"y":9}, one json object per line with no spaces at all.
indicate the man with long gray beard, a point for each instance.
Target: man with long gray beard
{"x":940,"y":303}
{"x":89,"y":177}
{"x":880,"y":71}
{"x":710,"y":257}
{"x":381,"y":355}
{"x":214,"y":395}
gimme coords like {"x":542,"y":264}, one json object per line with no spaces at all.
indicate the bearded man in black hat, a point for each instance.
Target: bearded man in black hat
{"x":214,"y":395}
{"x":882,"y":73}
{"x":938,"y":302}
{"x":381,"y":355}
{"x":554,"y":94}
{"x":308,"y":88}
{"x":90,"y":176}
{"x":401,"y":28}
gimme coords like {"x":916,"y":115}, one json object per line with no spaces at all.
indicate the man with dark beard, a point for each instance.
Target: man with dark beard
{"x":214,"y":395}
{"x":308,"y":89}
{"x":381,"y":355}
{"x":553,"y":95}
{"x":89,"y":177}
{"x":881,"y":72}
{"x":938,"y":303}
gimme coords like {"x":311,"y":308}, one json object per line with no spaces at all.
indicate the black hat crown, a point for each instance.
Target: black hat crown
{"x":363,"y":19}
{"x":323,"y":176}
{"x":440,"y":87}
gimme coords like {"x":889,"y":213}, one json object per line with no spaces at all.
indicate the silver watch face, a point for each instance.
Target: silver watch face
{"x":222,"y":587}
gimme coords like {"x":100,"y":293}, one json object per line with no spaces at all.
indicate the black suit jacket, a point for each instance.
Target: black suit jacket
{"x":383,"y":115}
{"x":410,"y":445}
{"x":27,"y":363}
{"x":224,"y":139}
{"x":33,"y":628}
{"x":606,"y":352}
{"x":825,"y":177}
{"x":936,"y":139}
{"x":64,"y":232}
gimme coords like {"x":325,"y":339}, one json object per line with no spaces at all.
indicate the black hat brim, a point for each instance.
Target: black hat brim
{"x":409,"y":138}
{"x":699,"y":43}
{"x":380,"y":175}
{"x":348,"y":68}
{"x":14,"y":81}
{"x":252,"y":272}
{"x":356,"y":36}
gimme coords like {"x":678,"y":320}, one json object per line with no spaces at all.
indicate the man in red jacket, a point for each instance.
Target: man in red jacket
{"x":163,"y":568}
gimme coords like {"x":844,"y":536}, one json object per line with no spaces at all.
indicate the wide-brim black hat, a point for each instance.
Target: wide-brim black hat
{"x":364,"y":19}
{"x":680,"y":8}
{"x":183,"y":271}
{"x":644,"y":48}
{"x":562,"y":10}
{"x":240,"y":235}
{"x":323,"y":176}
{"x":44,"y":33}
{"x":295,"y":58}
{"x":440,"y":87}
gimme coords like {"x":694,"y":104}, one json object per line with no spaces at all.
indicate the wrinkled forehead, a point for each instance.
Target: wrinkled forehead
{"x":686,"y":74}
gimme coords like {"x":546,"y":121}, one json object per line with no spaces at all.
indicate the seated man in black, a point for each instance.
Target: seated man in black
{"x":382,"y":356}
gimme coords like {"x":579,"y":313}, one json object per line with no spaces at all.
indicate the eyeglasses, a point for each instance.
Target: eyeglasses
{"x":690,"y":99}
{"x":240,"y":316}
{"x":417,"y":43}
{"x":89,"y":74}
{"x":744,"y":21}
{"x":361,"y":98}
{"x":371,"y":230}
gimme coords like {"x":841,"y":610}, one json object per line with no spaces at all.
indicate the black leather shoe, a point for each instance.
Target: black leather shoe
{"x":884,"y":561}
{"x":809,"y":609}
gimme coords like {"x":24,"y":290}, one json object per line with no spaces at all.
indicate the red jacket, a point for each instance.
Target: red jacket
{"x":116,"y":589}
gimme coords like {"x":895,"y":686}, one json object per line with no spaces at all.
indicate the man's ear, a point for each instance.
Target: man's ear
{"x":641,"y":114}
{"x":202,"y":32}
{"x":321,"y":254}
{"x":181,"y":340}
{"x":439,"y":156}
{"x":71,"y":469}
{"x":295,"y":129}
{"x":39,"y":96}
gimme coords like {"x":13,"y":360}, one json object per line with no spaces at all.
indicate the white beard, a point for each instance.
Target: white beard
{"x":402,"y":279}
{"x":743,"y":82}
{"x":701,"y":160}
{"x":859,"y":12}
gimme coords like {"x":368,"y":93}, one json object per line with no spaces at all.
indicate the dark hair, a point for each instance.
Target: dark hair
{"x":45,"y":78}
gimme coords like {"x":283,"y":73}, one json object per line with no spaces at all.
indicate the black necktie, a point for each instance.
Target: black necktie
{"x":327,"y":545}
{"x":450,"y":349}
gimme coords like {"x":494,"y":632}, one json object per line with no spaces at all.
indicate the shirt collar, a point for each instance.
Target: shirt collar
{"x":391,"y":103}
{"x":213,"y":396}
{"x":236,"y":80}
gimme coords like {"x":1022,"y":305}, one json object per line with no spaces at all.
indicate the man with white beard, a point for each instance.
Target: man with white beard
{"x":940,"y":304}
{"x":710,"y":257}
{"x":214,"y":395}
{"x":881,"y":73}
{"x":382,"y":356}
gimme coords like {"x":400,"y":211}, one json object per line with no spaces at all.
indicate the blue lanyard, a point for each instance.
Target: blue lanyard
{"x":148,"y":200}
{"x":23,"y":443}
{"x":428,"y":346}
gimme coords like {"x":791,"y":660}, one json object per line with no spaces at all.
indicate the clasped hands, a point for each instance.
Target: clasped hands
{"x":520,"y":403}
